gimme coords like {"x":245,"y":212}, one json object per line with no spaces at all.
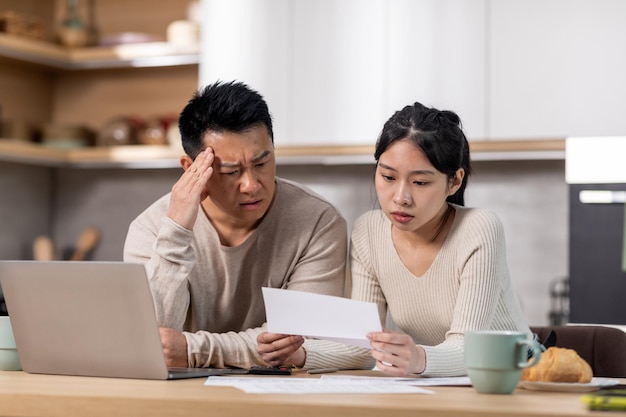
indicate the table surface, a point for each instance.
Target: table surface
{"x":23,"y":394}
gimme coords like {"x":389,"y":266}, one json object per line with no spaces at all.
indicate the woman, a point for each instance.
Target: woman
{"x":437,"y":268}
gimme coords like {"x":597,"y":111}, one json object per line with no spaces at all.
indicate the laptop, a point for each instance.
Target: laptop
{"x":86,"y":319}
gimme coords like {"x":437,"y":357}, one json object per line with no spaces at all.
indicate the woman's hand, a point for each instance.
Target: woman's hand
{"x":396,"y":353}
{"x":281,"y":349}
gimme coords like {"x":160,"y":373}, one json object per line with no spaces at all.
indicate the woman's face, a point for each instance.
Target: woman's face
{"x":411,"y":191}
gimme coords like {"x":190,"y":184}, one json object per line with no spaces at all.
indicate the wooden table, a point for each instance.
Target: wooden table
{"x":23,"y":394}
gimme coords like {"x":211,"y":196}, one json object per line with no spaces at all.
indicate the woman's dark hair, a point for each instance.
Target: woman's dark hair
{"x":222,"y":107}
{"x":437,"y":133}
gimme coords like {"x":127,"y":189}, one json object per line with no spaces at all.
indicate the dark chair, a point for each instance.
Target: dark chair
{"x":604,"y":348}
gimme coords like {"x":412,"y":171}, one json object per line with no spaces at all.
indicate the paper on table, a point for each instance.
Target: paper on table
{"x":419,"y":381}
{"x":321,"y":316}
{"x":291,"y":385}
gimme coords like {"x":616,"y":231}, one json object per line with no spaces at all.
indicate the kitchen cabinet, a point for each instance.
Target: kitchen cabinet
{"x":407,"y":52}
{"x":528,"y":86}
{"x":555,"y":69}
{"x":44,"y":83}
{"x":321,"y":73}
{"x":597,"y":68}
{"x":334,"y":71}
{"x":436,"y":55}
{"x":92,"y":85}
{"x":337,"y":72}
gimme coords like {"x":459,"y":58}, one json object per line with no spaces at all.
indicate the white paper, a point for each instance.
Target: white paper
{"x":418,"y":382}
{"x":320,"y":316}
{"x":291,"y":385}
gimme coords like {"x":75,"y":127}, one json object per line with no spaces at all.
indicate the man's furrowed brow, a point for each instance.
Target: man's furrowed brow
{"x":261,"y":157}
{"x":255,"y":160}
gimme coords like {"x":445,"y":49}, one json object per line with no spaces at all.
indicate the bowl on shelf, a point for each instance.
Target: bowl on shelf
{"x":67,"y":136}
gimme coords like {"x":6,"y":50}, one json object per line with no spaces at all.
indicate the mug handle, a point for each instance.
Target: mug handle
{"x":532,"y":345}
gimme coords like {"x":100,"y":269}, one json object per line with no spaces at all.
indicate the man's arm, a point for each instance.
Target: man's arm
{"x":163,"y":242}
{"x":205,"y":349}
{"x":165,"y":249}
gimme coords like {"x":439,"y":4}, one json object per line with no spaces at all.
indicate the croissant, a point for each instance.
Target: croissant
{"x":559,"y":365}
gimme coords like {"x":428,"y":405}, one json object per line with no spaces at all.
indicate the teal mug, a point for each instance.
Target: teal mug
{"x":9,"y":360}
{"x":494,"y":359}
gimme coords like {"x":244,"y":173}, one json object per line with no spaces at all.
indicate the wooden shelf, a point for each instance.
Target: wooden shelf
{"x":148,"y":156}
{"x":165,"y":54}
{"x":151,"y":54}
{"x":524,"y":149}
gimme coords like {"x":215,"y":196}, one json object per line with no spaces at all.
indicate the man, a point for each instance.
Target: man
{"x":228,"y":228}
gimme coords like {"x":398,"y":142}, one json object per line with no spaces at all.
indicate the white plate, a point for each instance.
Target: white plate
{"x":594,"y":385}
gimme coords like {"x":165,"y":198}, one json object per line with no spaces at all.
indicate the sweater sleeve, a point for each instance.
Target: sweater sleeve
{"x":329,"y":354}
{"x":219,"y":350}
{"x":165,"y":249}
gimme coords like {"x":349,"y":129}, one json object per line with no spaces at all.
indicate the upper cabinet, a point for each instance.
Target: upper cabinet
{"x":435,"y":54}
{"x":528,"y":85}
{"x":556,"y":68}
{"x":333,"y":71}
{"x":596,"y":68}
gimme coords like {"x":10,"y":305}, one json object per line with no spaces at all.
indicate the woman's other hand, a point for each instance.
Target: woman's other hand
{"x":396,"y":353}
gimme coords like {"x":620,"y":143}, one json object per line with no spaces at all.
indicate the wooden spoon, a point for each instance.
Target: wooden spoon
{"x":43,"y":249}
{"x":87,"y":241}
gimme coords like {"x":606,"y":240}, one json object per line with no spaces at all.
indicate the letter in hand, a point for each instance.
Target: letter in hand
{"x":191,"y":188}
{"x":281,"y":349}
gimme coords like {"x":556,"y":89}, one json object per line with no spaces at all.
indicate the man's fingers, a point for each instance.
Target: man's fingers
{"x":202,"y":163}
{"x":270,"y":342}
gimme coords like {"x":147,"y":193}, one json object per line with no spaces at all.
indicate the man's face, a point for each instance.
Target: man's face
{"x":242,"y":186}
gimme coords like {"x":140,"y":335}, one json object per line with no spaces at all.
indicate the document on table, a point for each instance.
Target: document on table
{"x":459,"y":381}
{"x":291,"y":385}
{"x":320,"y":316}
